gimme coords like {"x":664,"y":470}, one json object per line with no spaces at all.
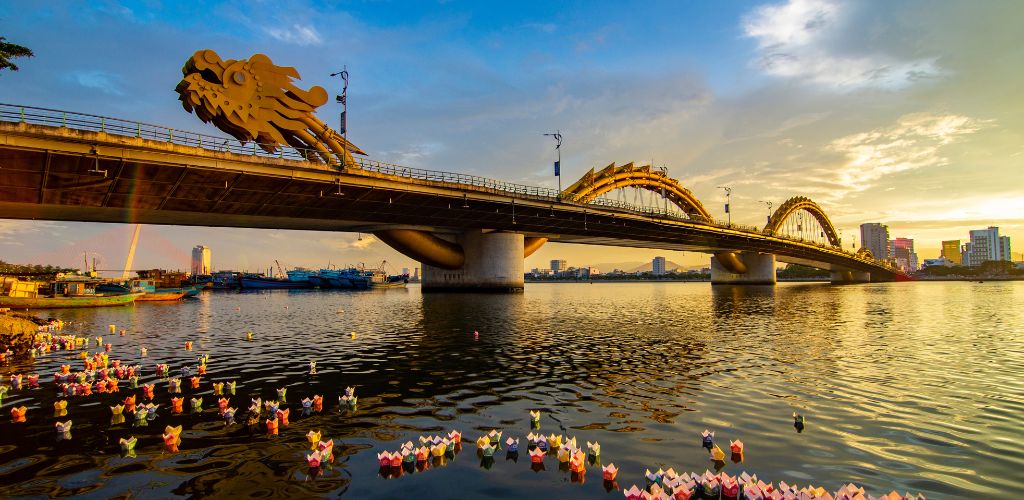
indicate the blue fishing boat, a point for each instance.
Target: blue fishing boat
{"x":260,"y":282}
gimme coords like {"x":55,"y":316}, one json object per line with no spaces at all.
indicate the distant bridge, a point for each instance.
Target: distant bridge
{"x":468,"y":231}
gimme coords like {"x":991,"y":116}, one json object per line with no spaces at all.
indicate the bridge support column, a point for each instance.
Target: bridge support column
{"x":753,"y":269}
{"x":493,"y":263}
{"x":850,"y":277}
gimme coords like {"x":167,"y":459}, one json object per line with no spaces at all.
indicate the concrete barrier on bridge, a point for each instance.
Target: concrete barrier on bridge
{"x":493,"y":263}
{"x":760,"y":270}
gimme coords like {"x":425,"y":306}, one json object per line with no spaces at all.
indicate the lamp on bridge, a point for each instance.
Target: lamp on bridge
{"x":728,"y":198}
{"x":558,"y":163}
{"x":769,"y":203}
{"x":342,"y":121}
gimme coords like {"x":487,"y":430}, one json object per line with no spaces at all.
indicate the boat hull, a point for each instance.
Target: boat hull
{"x":161,"y":296}
{"x":272,"y":284}
{"x":68,"y":302}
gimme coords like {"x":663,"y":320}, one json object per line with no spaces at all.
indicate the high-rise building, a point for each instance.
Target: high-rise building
{"x":951,"y":251}
{"x":986,"y":245}
{"x":658,"y":266}
{"x":559,"y":265}
{"x":201,"y":260}
{"x":902,"y":251}
{"x":875,"y":237}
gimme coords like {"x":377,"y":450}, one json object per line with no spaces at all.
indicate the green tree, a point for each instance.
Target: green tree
{"x":9,"y":51}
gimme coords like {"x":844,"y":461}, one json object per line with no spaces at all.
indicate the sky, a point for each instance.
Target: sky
{"x":906,"y":113}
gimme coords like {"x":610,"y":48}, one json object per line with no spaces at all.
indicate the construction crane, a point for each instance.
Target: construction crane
{"x":131,"y":252}
{"x":279,"y":270}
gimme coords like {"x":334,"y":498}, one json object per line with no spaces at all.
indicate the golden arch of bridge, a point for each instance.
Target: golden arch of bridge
{"x":288,"y":170}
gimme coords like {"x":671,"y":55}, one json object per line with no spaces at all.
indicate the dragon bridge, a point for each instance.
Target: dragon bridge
{"x":255,"y":100}
{"x":594,"y":184}
{"x":795,"y":204}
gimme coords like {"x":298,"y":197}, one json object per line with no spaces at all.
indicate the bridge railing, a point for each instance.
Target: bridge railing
{"x":96,"y":123}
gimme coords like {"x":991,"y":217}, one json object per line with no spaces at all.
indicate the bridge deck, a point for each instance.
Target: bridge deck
{"x":61,"y":173}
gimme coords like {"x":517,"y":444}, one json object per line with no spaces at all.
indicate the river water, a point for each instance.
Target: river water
{"x":905,"y":386}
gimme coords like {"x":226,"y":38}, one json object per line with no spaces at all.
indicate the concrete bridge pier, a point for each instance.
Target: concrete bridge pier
{"x":493,"y":263}
{"x":839,"y":277}
{"x":742,"y":268}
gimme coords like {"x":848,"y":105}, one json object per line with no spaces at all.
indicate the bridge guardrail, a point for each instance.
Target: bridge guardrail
{"x":96,"y":123}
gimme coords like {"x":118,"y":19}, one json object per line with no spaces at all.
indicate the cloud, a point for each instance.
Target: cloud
{"x":298,"y":34}
{"x":103,"y":81}
{"x":804,"y":39}
{"x":913,"y":142}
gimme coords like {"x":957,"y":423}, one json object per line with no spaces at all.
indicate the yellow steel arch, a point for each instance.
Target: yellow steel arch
{"x":865,"y":253}
{"x":594,"y":184}
{"x":795,"y":204}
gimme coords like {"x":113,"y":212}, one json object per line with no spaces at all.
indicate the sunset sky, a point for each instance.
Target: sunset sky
{"x":907,"y":113}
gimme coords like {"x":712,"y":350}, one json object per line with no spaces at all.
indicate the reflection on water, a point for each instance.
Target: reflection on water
{"x":909,"y":386}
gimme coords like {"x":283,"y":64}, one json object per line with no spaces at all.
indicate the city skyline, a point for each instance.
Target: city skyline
{"x":776,"y":99}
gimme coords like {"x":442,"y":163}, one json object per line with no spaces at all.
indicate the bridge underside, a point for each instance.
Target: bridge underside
{"x":59,"y":174}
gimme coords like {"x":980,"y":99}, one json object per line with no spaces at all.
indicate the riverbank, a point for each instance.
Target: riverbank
{"x":18,"y":331}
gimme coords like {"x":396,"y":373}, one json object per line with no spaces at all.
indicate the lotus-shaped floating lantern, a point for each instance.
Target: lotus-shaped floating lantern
{"x":60,"y":405}
{"x":147,"y":391}
{"x":172,"y":438}
{"x":594,"y":449}
{"x":314,"y":438}
{"x":282,"y":416}
{"x":281,"y":393}
{"x":63,"y":429}
{"x":18,"y":414}
{"x":537,"y":455}
{"x":384,"y":458}
{"x":313,"y":459}
{"x":197,"y":405}
{"x":229,"y":416}
{"x":610,"y":472}
{"x":717,"y":454}
{"x":272,"y":426}
{"x":634,"y":493}
{"x":128,"y":445}
{"x":707,"y":439}
{"x":422,"y":454}
{"x":271,"y":407}
{"x":174,"y":386}
{"x":512,"y":444}
{"x":176,"y":405}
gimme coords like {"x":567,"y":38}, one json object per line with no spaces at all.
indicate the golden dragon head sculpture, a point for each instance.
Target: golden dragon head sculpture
{"x":255,"y":100}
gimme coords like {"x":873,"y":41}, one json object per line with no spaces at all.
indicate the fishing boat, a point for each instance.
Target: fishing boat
{"x":261,"y":282}
{"x":70,"y":292}
{"x":226,"y":280}
{"x":153,"y":294}
{"x":336,"y":278}
{"x":302,"y":275}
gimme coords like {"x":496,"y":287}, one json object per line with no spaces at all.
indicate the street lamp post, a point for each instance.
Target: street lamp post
{"x":558,"y":163}
{"x":769,"y":220}
{"x":342,"y":120}
{"x":728,"y":199}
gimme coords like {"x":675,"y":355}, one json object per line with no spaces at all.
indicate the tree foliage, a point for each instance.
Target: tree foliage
{"x":8,"y":269}
{"x":9,"y":51}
